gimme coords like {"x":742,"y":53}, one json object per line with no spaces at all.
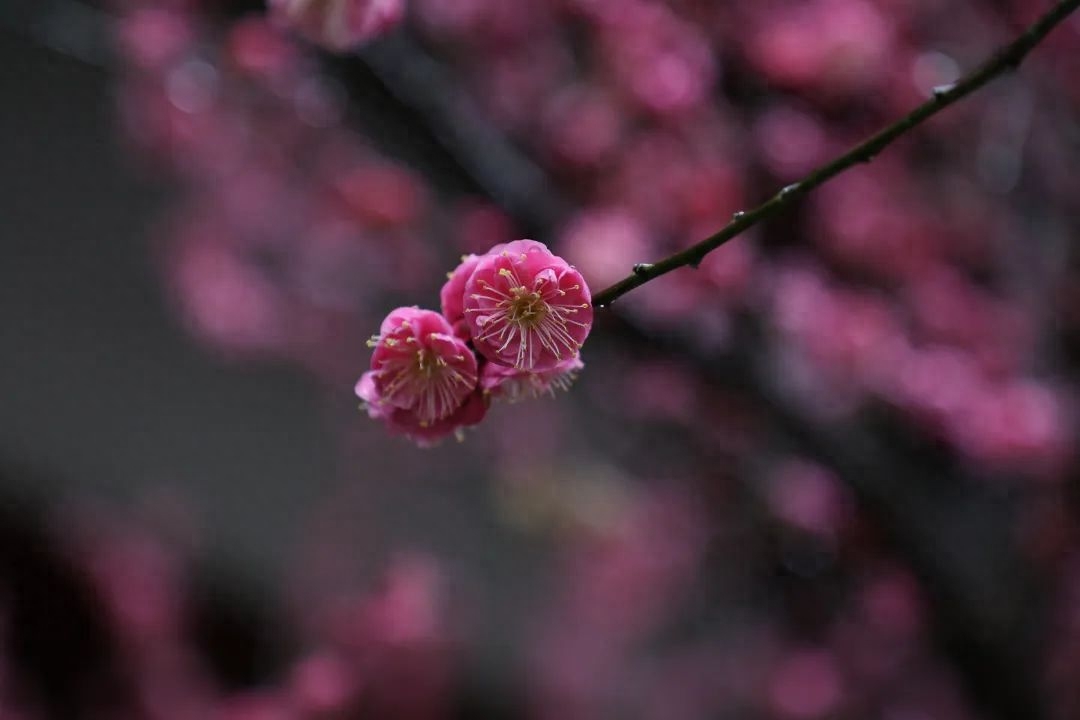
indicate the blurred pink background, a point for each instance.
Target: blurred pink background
{"x":830,"y":474}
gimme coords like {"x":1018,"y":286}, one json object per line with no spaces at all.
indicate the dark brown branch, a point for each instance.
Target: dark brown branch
{"x":1008,"y":58}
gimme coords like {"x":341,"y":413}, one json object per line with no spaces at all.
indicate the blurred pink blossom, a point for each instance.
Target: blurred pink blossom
{"x":807,"y":684}
{"x":338,"y":24}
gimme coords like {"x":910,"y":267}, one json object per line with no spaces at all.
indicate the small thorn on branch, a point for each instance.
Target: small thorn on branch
{"x":642,"y":268}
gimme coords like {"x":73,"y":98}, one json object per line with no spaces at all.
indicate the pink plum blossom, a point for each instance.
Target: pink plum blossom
{"x":420,"y":367}
{"x":507,"y":383}
{"x":524,"y":310}
{"x":527,"y":308}
{"x":338,"y":24}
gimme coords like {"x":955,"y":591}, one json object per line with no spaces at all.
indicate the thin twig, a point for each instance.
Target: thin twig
{"x":1007,"y":58}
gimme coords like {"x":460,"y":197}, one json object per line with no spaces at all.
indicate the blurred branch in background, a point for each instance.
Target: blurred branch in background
{"x":506,"y":175}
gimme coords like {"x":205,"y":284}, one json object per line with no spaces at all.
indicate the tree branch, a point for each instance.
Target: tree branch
{"x":1007,"y":58}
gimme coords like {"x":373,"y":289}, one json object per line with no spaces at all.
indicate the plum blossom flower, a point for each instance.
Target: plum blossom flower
{"x":526,"y":308}
{"x":507,"y":383}
{"x":419,"y":366}
{"x":338,"y":24}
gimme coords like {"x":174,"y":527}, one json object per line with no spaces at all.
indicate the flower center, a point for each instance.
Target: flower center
{"x":526,"y":308}
{"x":427,"y":364}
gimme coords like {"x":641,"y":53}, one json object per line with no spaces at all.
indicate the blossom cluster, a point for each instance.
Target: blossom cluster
{"x":512,"y":325}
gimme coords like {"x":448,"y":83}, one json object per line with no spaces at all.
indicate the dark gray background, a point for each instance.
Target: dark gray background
{"x":101,"y":394}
